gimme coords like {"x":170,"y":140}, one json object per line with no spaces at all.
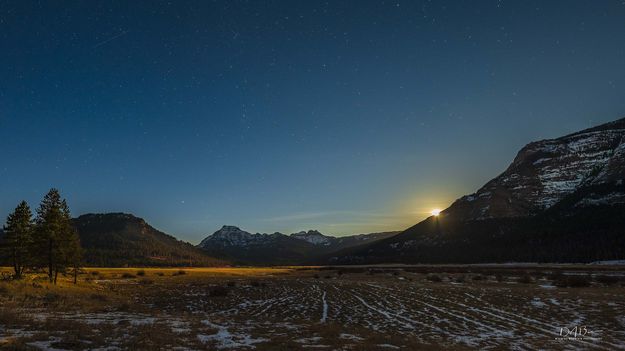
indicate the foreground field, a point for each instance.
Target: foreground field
{"x":355,"y":308}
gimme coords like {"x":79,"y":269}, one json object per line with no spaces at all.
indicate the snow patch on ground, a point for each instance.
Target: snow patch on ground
{"x":536,"y":302}
{"x":46,"y":345}
{"x":310,"y":340}
{"x":225,"y":339}
{"x":179,"y":327}
{"x":353,"y":337}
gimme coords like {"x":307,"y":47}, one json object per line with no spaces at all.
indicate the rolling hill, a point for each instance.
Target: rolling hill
{"x":120,"y":239}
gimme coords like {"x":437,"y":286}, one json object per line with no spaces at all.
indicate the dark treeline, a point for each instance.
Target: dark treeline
{"x":47,"y":241}
{"x":578,"y":235}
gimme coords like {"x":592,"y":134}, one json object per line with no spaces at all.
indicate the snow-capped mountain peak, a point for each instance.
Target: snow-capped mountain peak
{"x":228,"y":235}
{"x":544,"y":172}
{"x":227,"y":230}
{"x":237,"y":245}
{"x":314,"y":237}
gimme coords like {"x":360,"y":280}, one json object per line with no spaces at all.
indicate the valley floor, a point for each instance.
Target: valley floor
{"x":333,"y":308}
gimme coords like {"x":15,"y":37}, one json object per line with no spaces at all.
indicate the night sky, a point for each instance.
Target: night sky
{"x":347,"y":117}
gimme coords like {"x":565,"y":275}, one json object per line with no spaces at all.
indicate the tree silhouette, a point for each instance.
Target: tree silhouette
{"x":56,"y":241}
{"x":18,"y":238}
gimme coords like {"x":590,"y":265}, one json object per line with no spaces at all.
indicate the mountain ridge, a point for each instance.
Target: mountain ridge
{"x":544,"y":172}
{"x":122,"y":239}
{"x":232,"y":243}
{"x":560,"y":200}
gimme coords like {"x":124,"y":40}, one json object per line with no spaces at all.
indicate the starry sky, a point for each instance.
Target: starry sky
{"x":342,"y":116}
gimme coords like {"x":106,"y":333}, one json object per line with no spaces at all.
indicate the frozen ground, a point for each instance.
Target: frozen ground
{"x":389,"y":309}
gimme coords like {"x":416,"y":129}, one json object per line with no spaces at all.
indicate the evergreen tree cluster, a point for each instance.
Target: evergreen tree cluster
{"x":46,"y":242}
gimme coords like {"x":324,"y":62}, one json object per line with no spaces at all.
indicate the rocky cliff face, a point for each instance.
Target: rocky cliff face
{"x":546,"y":171}
{"x":561,"y":200}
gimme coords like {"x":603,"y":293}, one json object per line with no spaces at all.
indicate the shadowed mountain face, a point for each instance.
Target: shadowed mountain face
{"x":119,"y":239}
{"x":561,"y":200}
{"x":239,"y":246}
{"x":545,"y":172}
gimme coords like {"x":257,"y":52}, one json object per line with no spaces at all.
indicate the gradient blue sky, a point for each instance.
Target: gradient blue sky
{"x":346,"y":116}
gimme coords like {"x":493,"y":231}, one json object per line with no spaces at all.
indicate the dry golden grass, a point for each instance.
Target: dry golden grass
{"x":203,"y":271}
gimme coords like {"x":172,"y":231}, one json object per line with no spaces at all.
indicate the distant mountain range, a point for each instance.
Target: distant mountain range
{"x":561,"y":200}
{"x":241,"y":247}
{"x":121,"y":239}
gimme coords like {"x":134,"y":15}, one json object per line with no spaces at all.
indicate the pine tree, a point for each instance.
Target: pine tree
{"x":73,"y":252}
{"x":56,"y":239}
{"x":18,"y":238}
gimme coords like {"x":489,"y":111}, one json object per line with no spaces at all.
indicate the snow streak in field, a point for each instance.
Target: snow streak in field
{"x":324,"y":317}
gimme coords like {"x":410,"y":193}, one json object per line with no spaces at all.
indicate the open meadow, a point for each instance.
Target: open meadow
{"x":337,"y":308}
